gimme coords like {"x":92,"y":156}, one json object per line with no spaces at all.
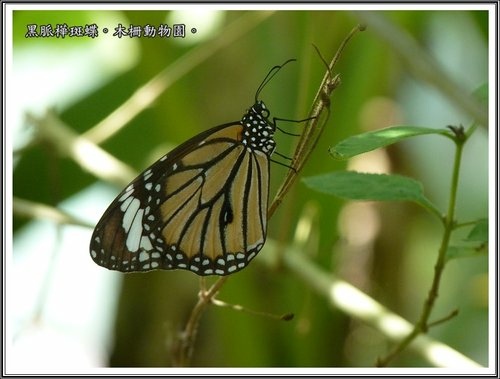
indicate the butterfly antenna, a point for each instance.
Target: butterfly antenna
{"x":273,"y":71}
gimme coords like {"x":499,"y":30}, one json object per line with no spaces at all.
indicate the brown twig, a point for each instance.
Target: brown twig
{"x":187,"y":337}
{"x":318,"y":117}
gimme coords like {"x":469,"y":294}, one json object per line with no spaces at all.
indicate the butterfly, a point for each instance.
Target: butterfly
{"x":202,"y":207}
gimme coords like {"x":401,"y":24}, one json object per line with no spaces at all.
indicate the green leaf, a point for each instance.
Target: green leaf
{"x":455,"y":252}
{"x":362,"y":143}
{"x":376,"y":187}
{"x":479,"y":232}
{"x":481,"y":93}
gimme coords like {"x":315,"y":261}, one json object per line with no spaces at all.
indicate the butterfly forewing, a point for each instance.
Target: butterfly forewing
{"x":202,"y":207}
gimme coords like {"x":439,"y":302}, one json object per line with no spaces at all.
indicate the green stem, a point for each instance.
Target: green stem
{"x":449,"y":223}
{"x":422,"y":324}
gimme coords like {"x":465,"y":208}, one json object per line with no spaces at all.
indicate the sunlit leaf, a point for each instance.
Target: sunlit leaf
{"x":362,"y":143}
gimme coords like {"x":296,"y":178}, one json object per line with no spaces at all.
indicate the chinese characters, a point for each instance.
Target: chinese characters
{"x":120,"y":31}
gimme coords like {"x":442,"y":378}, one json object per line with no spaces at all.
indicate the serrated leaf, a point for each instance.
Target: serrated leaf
{"x":365,"y":142}
{"x":376,"y":187}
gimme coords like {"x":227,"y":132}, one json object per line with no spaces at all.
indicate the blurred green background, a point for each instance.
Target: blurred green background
{"x":85,"y":79}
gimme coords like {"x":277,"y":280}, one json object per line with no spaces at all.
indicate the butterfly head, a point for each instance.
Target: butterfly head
{"x":259,"y":108}
{"x":258,"y":131}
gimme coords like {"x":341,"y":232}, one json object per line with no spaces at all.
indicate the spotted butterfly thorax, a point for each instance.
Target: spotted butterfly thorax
{"x":202,"y":207}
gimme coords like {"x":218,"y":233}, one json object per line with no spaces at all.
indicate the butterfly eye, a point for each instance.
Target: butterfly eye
{"x":262,"y":110}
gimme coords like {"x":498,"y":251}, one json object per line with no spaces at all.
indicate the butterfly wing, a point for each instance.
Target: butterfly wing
{"x":202,"y":207}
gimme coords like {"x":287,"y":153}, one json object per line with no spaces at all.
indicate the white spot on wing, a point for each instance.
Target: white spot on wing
{"x":143,"y":256}
{"x":128,"y":191}
{"x":135,"y":232}
{"x":147,"y":175}
{"x":146,"y":243}
{"x":126,"y":203}
{"x":130,"y":207}
{"x":255,"y":246}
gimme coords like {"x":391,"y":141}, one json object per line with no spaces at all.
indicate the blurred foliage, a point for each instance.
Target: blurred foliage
{"x":398,"y":272}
